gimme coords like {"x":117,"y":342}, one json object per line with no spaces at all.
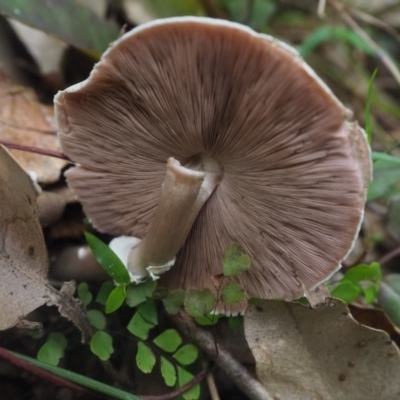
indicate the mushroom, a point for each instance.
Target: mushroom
{"x":258,"y":150}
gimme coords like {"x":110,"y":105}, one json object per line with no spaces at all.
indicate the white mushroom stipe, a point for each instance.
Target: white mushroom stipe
{"x":122,"y":245}
{"x":183,"y":193}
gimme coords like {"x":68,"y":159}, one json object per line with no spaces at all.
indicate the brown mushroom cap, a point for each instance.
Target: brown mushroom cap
{"x":295,"y":169}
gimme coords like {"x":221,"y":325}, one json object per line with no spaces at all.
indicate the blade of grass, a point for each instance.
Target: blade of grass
{"x":367,"y":112}
{"x":378,"y":156}
{"x":65,"y":19}
{"x":78,"y":379}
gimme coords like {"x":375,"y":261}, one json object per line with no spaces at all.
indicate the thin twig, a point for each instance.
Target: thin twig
{"x":212,"y":387}
{"x":389,"y":256}
{"x":370,"y":19}
{"x":36,"y":150}
{"x":250,"y":386}
{"x":383,"y":56}
{"x":174,"y":394}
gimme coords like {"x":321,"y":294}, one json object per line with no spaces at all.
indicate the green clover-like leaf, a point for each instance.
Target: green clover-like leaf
{"x":53,"y":349}
{"x":168,"y":372}
{"x":185,"y":377}
{"x":148,"y":311}
{"x":139,"y":327}
{"x":232,"y":293}
{"x":84,"y":294}
{"x":346,"y":291}
{"x":169,"y":340}
{"x":235,"y":261}
{"x":199,"y":303}
{"x":115,"y":299}
{"x":145,"y":359}
{"x":187,"y":354}
{"x":97,"y":319}
{"x":174,"y":301}
{"x":102,"y":345}
{"x":139,"y":293}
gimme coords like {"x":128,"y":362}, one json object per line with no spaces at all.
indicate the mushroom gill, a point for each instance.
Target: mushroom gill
{"x":287,"y":171}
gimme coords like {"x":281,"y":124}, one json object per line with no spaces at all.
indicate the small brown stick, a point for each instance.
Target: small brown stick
{"x":388,"y":256}
{"x":370,"y":19}
{"x":37,"y":150}
{"x":250,"y":386}
{"x":174,"y":394}
{"x":383,"y":56}
{"x":212,"y":387}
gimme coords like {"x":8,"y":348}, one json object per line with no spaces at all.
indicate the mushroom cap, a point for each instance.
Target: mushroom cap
{"x":295,"y":168}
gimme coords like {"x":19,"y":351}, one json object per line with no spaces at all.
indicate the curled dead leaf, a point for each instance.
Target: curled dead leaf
{"x":23,"y":119}
{"x":23,"y":256}
{"x":303,"y":353}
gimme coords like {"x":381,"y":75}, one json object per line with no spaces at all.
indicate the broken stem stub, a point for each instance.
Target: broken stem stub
{"x":184,"y":192}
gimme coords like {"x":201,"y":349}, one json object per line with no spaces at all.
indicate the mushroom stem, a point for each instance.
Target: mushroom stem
{"x":184,"y":192}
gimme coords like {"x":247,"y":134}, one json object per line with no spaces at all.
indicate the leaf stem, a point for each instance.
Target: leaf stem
{"x":33,"y":149}
{"x":250,"y":386}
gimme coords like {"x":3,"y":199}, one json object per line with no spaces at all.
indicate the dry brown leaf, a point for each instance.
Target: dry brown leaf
{"x":323,"y":353}
{"x":375,"y":318}
{"x":24,"y":120}
{"x":23,"y":256}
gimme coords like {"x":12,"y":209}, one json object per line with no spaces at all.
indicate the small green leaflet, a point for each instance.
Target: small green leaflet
{"x":199,"y":303}
{"x":185,"y":377}
{"x":168,"y":341}
{"x":148,"y":311}
{"x":168,"y":372}
{"x":115,"y":299}
{"x":187,"y":354}
{"x":53,"y":350}
{"x":346,"y":291}
{"x":84,"y":294}
{"x":362,"y":279}
{"x":363,"y":272}
{"x":174,"y":301}
{"x":105,"y":290}
{"x":145,"y":359}
{"x":102,"y":345}
{"x":97,"y":319}
{"x":108,"y":260}
{"x":139,"y":327}
{"x":233,"y":293}
{"x":235,"y":260}
{"x":139,"y":293}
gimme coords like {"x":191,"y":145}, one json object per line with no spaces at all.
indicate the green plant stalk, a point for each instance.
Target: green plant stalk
{"x":79,"y":379}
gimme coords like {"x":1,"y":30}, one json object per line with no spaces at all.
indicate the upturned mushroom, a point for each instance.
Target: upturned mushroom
{"x":258,"y":151}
